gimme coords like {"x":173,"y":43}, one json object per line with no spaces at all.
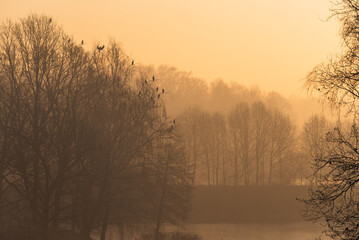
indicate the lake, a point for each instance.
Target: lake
{"x":243,"y":231}
{"x":256,"y":231}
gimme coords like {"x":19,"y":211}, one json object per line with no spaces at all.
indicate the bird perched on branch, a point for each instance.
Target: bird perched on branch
{"x":82,"y":42}
{"x":133,"y":62}
{"x":153,"y":78}
{"x":156,"y":89}
{"x":99,"y":48}
{"x":50,"y":20}
{"x":146,"y":81}
{"x":163,"y":91}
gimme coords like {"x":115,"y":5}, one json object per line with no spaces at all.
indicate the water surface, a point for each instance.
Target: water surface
{"x":258,"y":231}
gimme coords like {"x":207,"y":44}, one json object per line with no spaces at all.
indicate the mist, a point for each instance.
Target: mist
{"x":97,"y":143}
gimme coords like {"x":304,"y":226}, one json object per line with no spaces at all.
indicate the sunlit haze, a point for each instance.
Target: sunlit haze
{"x":272,"y":44}
{"x":179,"y":119}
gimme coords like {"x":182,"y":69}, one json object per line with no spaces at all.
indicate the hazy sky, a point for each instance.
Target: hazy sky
{"x":270,"y":43}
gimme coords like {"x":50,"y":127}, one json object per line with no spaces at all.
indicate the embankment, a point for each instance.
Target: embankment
{"x":247,"y":204}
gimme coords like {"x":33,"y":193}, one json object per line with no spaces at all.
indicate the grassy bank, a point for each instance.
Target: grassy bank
{"x":247,"y":204}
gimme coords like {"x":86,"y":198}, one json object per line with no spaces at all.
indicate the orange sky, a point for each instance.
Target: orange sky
{"x":269,"y":43}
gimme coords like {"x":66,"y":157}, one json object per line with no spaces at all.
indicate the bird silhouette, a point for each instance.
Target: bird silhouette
{"x":158,"y":96}
{"x":50,"y":20}
{"x":174,"y":121}
{"x":99,"y":48}
{"x":146,"y":81}
{"x":153,"y":78}
{"x":163,"y":91}
{"x":82,"y":42}
{"x":156,"y":89}
{"x":133,"y":62}
{"x":69,"y":40}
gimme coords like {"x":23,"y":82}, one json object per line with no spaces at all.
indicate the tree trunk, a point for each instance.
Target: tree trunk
{"x":257,"y":166}
{"x":104,"y":224}
{"x":160,"y":209}
{"x":44,"y":230}
{"x":270,"y":170}
{"x":85,"y":230}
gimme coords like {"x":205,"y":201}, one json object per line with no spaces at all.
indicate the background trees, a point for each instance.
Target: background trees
{"x":239,"y":129}
{"x":251,"y":145}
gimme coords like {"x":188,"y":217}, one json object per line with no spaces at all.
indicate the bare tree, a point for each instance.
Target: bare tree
{"x":334,"y":199}
{"x":174,"y":184}
{"x":190,"y":128}
{"x":41,"y":67}
{"x":285,"y":144}
{"x":240,"y":125}
{"x":79,"y":134}
{"x":260,"y":125}
{"x":239,"y":130}
{"x":313,"y":136}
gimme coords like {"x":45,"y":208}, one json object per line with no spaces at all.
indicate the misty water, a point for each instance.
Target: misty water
{"x":257,"y":231}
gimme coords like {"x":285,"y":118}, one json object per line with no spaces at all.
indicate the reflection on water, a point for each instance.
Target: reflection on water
{"x":256,"y":231}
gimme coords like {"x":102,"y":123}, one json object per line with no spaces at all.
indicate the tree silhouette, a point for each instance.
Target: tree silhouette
{"x":334,"y":198}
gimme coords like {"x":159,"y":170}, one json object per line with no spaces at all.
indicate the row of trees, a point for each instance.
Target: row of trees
{"x":85,"y":142}
{"x":204,"y":110}
{"x":186,"y":90}
{"x":251,"y":145}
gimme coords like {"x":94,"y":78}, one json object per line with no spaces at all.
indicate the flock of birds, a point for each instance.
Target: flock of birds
{"x":173,"y":122}
{"x":157,"y":88}
{"x":100,"y":48}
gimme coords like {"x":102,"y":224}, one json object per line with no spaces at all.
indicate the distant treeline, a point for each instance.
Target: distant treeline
{"x":251,"y":145}
{"x":247,"y":204}
{"x":234,"y":135}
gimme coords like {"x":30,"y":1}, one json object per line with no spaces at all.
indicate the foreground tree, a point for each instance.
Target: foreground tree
{"x":41,"y":68}
{"x":79,"y":134}
{"x":335,"y":197}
